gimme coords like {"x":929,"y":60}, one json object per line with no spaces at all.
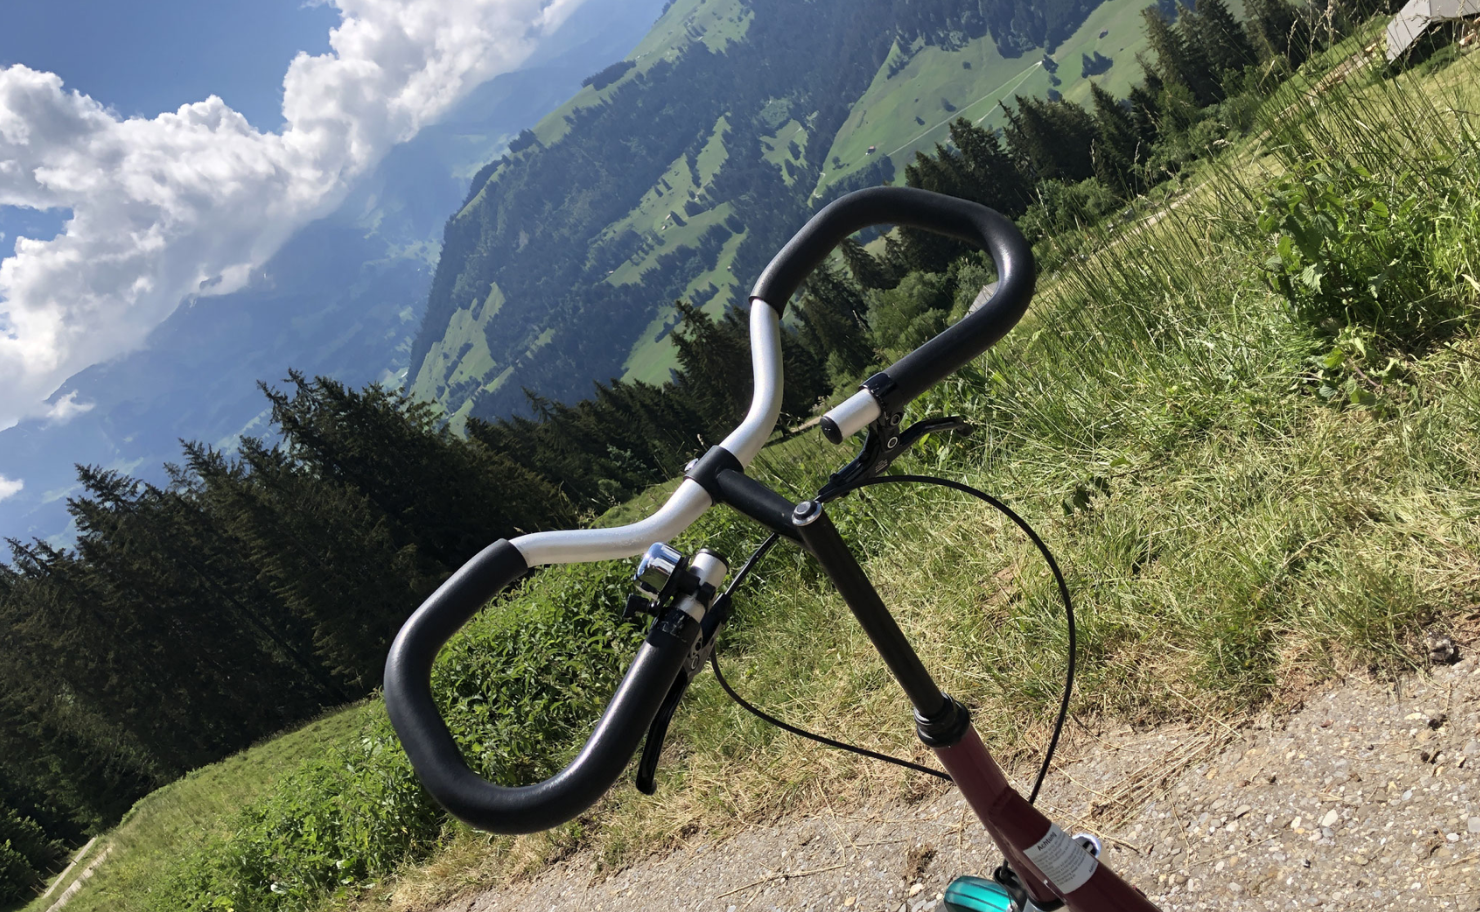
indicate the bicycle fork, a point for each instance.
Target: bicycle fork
{"x":1051,"y":869}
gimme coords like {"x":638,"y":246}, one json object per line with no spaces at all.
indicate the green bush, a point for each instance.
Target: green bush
{"x":25,"y":853}
{"x":1351,"y":248}
{"x":519,"y":689}
{"x":17,"y":878}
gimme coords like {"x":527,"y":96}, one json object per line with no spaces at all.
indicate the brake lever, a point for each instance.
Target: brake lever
{"x":647,"y":766}
{"x":883,"y":443}
{"x":652,"y":749}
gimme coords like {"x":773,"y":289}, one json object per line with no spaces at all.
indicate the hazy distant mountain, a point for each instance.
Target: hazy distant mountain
{"x":344,"y":297}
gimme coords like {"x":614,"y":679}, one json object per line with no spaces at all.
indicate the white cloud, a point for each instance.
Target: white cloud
{"x":191,"y":201}
{"x":9,"y":488}
{"x":67,"y":408}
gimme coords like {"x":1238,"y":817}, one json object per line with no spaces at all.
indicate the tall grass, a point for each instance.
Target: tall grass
{"x":1249,"y":495}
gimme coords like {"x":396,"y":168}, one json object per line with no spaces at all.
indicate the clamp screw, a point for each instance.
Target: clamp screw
{"x":806,"y":513}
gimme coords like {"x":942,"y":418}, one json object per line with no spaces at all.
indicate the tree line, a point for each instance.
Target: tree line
{"x":260,"y":586}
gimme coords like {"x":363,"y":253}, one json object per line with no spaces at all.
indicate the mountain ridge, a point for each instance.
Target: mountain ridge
{"x":680,"y":175}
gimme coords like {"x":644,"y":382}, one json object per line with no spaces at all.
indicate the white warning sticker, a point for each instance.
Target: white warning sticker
{"x":1065,"y":863}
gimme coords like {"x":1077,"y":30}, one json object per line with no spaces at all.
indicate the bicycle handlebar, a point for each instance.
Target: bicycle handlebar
{"x":407,"y":687}
{"x":888,"y":391}
{"x":435,"y":756}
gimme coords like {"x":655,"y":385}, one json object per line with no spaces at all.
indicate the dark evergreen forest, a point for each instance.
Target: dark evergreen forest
{"x":261,"y":586}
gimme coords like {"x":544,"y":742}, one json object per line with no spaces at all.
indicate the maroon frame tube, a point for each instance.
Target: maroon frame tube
{"x":1016,"y":826}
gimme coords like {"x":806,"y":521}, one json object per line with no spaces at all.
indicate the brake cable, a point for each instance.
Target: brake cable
{"x":1053,"y":565}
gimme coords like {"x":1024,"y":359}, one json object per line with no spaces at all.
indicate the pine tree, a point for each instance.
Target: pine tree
{"x":447,"y":498}
{"x":1177,"y":60}
{"x":834,"y":327}
{"x":867,"y":271}
{"x":1145,"y":99}
{"x":324,"y":549}
{"x":1118,"y":153}
{"x":1169,"y":56}
{"x":24,"y":839}
{"x":1052,"y":139}
{"x":1218,"y":38}
{"x":989,"y":167}
{"x":1278,"y":30}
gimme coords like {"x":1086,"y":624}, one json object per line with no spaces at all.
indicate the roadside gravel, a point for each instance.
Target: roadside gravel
{"x":1367,"y":797}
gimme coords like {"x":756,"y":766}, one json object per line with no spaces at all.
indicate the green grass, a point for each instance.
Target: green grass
{"x":652,"y":358}
{"x":202,"y":804}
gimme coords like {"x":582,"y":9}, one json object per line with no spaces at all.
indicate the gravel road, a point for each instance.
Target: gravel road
{"x":1367,"y":797}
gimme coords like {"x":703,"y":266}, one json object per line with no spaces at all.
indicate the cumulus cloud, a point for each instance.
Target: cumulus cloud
{"x":10,"y":488}
{"x":66,"y":408}
{"x":190,"y":202}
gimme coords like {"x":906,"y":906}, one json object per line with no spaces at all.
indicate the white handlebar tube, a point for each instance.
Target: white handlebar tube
{"x":855,"y":413}
{"x":690,"y":501}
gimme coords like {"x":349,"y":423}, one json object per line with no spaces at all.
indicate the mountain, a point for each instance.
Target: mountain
{"x":677,"y":173}
{"x":343,"y":297}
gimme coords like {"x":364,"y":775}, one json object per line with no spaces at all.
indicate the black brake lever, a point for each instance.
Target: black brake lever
{"x":883,"y":443}
{"x":652,"y":749}
{"x":647,"y":766}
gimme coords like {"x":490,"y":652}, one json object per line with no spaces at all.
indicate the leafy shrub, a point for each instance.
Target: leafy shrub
{"x":1355,"y":249}
{"x":1064,"y":207}
{"x":25,"y":852}
{"x":17,"y":877}
{"x":519,"y":689}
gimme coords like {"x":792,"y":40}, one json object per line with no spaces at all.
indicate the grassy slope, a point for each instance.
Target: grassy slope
{"x":716,"y":22}
{"x":462,"y":352}
{"x":660,"y":217}
{"x":886,"y":117}
{"x":184,"y":812}
{"x":906,"y":113}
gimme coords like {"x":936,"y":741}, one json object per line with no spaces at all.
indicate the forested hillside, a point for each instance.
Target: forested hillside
{"x":677,"y":173}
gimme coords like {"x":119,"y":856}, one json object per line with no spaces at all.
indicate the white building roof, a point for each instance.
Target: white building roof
{"x":1415,"y":18}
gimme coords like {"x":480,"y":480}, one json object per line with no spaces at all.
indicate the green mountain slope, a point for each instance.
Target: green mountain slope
{"x":677,"y":173}
{"x":920,"y":90}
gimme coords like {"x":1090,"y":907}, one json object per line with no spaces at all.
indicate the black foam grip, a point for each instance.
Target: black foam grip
{"x":966,"y":221}
{"x":435,"y":756}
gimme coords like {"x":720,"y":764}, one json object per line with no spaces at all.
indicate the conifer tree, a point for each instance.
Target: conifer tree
{"x":1279,"y":30}
{"x":26,"y":854}
{"x":1218,"y":37}
{"x":867,"y":271}
{"x":834,"y":327}
{"x":1118,"y":152}
{"x":1177,"y":60}
{"x":1145,"y":103}
{"x":323,"y":549}
{"x":1052,"y":139}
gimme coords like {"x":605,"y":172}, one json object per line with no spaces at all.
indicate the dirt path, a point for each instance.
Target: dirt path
{"x":1366,"y":798}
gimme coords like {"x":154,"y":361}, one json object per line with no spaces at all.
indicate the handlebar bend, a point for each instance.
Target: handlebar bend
{"x":408,"y":694}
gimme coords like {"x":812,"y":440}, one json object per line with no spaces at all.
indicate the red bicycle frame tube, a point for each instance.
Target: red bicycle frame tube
{"x":1050,"y":865}
{"x":1017,"y":827}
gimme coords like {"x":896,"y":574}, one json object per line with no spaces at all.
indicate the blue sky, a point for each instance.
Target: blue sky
{"x":146,"y":57}
{"x":158,"y":208}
